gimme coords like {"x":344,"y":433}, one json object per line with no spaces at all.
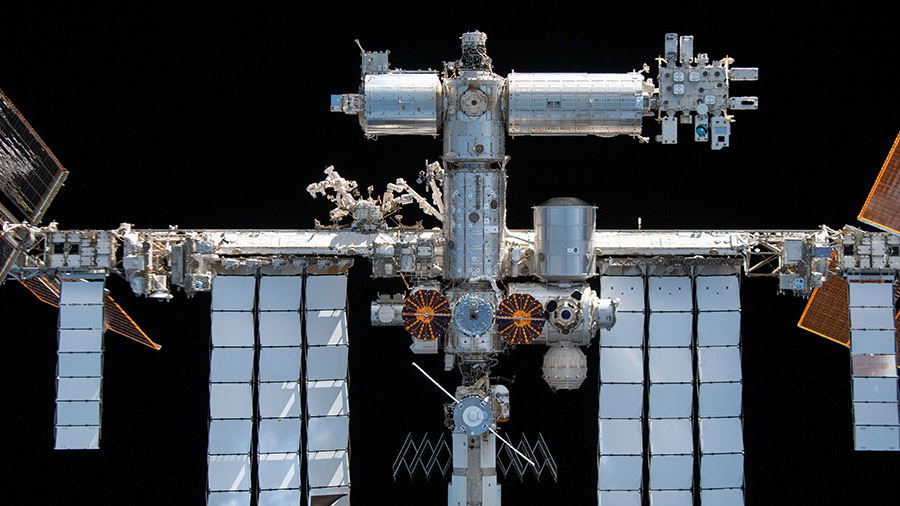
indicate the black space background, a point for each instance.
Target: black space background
{"x":219,"y":119}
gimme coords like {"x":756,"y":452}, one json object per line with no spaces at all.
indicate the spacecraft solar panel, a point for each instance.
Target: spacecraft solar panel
{"x":30,"y":175}
{"x":826,"y":311}
{"x":278,"y":389}
{"x":685,"y":333}
{"x":882,"y":207}
{"x":328,"y":415}
{"x":621,"y":416}
{"x":671,"y":385}
{"x":876,"y":419}
{"x":79,"y":372}
{"x":7,"y":256}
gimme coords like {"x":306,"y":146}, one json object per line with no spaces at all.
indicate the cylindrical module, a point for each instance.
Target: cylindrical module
{"x":563,"y":239}
{"x":474,"y":218}
{"x":402,"y":103}
{"x":474,"y":128}
{"x":576,"y":104}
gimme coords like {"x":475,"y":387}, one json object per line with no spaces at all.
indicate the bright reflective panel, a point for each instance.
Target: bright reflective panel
{"x":279,"y":329}
{"x":231,"y":365}
{"x":720,"y":399}
{"x":77,"y":292}
{"x":621,"y":400}
{"x":279,"y":498}
{"x":671,"y":365}
{"x":620,"y":437}
{"x":327,"y":433}
{"x":619,"y":498}
{"x":326,"y":327}
{"x":628,"y":331}
{"x":78,"y":413}
{"x":628,"y":289}
{"x":875,"y":413}
{"x":671,"y":400}
{"x":671,"y":498}
{"x":723,"y":497}
{"x":233,"y":293}
{"x":232,"y":329}
{"x":671,"y":436}
{"x":718,"y":293}
{"x":278,"y":400}
{"x":279,"y":364}
{"x":230,"y":400}
{"x":279,"y":471}
{"x":876,"y":437}
{"x":872,"y":318}
{"x":79,"y":364}
{"x":719,"y":364}
{"x":621,"y":365}
{"x":721,"y":328}
{"x":326,"y":292}
{"x":280,"y":293}
{"x":80,"y":340}
{"x":721,"y":435}
{"x":78,"y":389}
{"x":328,"y":469}
{"x":722,"y":471}
{"x":81,"y":317}
{"x":228,"y":472}
{"x":78,"y":438}
{"x":875,"y":389}
{"x":618,"y":472}
{"x":279,"y":435}
{"x":670,"y":329}
{"x":871,"y":294}
{"x":670,"y":293}
{"x":326,"y":363}
{"x":671,"y":472}
{"x":228,"y":499}
{"x":229,"y":436}
{"x":872,"y":341}
{"x":326,"y":398}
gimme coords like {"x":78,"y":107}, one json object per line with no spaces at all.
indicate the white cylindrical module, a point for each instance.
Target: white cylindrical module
{"x":576,"y":104}
{"x":402,"y":103}
{"x":565,"y":367}
{"x":474,"y":123}
{"x":474,"y":218}
{"x":563,"y":239}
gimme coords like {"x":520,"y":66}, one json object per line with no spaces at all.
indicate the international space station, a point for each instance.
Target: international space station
{"x":663,"y":306}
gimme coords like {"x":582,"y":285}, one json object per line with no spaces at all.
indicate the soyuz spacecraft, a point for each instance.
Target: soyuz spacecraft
{"x":664,"y":305}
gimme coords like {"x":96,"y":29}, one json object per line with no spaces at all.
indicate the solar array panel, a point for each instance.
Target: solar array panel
{"x":30,"y":175}
{"x":826,"y":311}
{"x":279,"y":411}
{"x":670,"y":423}
{"x":79,"y":372}
{"x":876,"y":418}
{"x":882,"y":207}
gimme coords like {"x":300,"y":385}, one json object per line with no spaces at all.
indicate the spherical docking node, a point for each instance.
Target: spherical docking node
{"x":520,"y":318}
{"x":426,"y":314}
{"x":565,"y":367}
{"x":473,"y":315}
{"x":472,"y":416}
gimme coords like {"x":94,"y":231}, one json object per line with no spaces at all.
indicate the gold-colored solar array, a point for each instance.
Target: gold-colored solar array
{"x":115,"y":318}
{"x":827,"y":313}
{"x":882,"y":207}
{"x":426,"y":314}
{"x":520,"y":318}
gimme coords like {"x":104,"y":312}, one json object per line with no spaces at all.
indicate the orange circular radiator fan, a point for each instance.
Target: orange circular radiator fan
{"x":426,"y":314}
{"x":520,"y":318}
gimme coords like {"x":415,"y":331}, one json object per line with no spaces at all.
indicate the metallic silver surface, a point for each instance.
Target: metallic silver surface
{"x":563,"y":240}
{"x":407,"y":103}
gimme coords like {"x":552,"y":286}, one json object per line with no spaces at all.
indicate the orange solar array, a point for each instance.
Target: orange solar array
{"x":115,"y":318}
{"x":882,"y":207}
{"x":827,"y":312}
{"x":520,"y":318}
{"x":426,"y":314}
